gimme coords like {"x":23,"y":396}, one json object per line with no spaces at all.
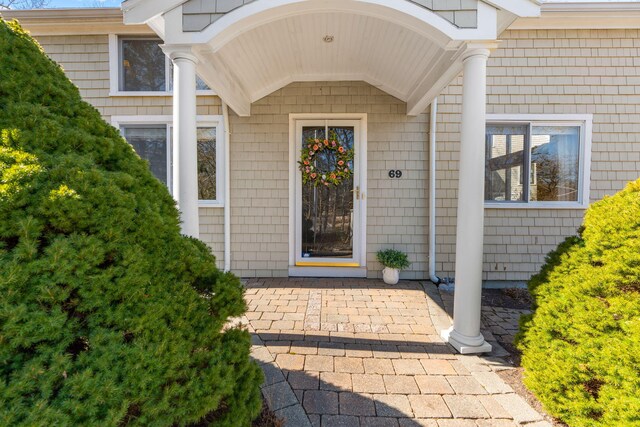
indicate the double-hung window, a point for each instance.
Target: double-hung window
{"x":537,"y":161}
{"x":151,"y":138}
{"x":139,"y":66}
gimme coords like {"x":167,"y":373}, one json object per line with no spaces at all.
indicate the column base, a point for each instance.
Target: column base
{"x":479,"y":345}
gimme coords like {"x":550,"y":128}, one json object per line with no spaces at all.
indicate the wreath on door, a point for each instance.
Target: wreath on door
{"x":332,"y":168}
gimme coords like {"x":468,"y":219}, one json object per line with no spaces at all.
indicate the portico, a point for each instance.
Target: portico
{"x":245,"y":50}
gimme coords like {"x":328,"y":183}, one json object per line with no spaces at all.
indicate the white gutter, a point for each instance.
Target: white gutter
{"x":583,"y":15}
{"x":591,"y":6}
{"x":432,"y":193}
{"x":227,"y":190}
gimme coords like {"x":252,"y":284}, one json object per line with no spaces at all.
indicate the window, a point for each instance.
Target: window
{"x":153,"y":142}
{"x":143,"y":66}
{"x":504,"y":168}
{"x":207,"y":163}
{"x":138,"y":64}
{"x":552,"y":155}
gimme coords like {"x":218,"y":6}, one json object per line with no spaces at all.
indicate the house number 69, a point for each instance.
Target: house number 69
{"x":395,"y":174}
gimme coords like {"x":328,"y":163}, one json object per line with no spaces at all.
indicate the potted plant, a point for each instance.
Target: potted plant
{"x":393,"y":261}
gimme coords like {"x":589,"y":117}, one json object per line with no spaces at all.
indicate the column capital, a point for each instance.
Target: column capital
{"x":484,"y":49}
{"x":180,"y":51}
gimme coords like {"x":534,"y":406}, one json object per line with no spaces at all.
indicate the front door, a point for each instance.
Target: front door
{"x":329,"y":194}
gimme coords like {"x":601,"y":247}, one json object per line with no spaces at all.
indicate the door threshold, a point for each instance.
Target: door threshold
{"x":335,"y":272}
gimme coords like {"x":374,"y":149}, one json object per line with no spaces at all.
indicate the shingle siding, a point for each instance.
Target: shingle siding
{"x":545,"y":72}
{"x":85,"y":60}
{"x":199,"y":14}
{"x":260,"y":175}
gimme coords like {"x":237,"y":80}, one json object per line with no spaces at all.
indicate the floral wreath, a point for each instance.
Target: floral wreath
{"x":336,"y":173}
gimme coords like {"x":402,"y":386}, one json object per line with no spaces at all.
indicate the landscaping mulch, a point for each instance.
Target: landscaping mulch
{"x":267,"y":418}
{"x":518,"y":299}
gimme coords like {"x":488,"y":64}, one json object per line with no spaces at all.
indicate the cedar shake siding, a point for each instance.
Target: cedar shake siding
{"x":533,"y":72}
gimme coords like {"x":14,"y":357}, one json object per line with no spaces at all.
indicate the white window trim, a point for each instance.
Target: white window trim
{"x":585,"y":121}
{"x":202,"y":121}
{"x":114,"y":71}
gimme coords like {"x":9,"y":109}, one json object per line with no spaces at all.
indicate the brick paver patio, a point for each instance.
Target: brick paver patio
{"x":360,"y":353}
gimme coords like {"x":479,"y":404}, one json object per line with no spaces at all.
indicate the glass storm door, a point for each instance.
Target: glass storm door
{"x":328,"y":221}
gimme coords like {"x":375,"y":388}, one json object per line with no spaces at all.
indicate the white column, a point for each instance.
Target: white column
{"x":185,"y":153}
{"x":465,"y":334}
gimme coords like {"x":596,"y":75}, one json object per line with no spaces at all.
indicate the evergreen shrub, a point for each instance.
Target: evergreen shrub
{"x":108,"y":316}
{"x":581,"y":346}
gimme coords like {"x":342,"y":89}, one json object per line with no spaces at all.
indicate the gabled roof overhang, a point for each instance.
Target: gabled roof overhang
{"x":266,"y":44}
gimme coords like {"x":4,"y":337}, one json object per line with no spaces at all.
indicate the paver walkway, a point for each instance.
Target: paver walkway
{"x":360,"y":353}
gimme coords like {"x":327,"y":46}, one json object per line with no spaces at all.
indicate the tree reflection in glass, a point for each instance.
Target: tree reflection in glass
{"x":144,"y":65}
{"x":504,"y":169}
{"x":555,"y":163}
{"x":207,"y":163}
{"x":150,"y":143}
{"x":327,"y":211}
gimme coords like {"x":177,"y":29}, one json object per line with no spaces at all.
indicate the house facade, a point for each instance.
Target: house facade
{"x":475,"y":131}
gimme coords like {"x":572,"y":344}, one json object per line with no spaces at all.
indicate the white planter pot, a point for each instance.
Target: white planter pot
{"x":391,"y":276}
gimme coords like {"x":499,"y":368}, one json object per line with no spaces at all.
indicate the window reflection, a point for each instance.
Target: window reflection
{"x":550,"y":156}
{"x":207,"y":163}
{"x":555,"y":154}
{"x":504,"y":171}
{"x":327,"y":212}
{"x":143,"y":65}
{"x":151,"y":145}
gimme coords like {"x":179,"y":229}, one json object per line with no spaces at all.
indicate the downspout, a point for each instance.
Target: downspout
{"x":227,"y":189}
{"x":432,"y":194}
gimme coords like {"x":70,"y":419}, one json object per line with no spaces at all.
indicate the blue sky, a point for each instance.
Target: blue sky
{"x":84,"y":3}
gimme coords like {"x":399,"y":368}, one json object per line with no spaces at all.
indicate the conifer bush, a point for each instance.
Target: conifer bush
{"x":581,"y":346}
{"x":108,"y":316}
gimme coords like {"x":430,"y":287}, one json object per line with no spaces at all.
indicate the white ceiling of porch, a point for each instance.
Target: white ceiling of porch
{"x":405,"y":49}
{"x":386,"y":55}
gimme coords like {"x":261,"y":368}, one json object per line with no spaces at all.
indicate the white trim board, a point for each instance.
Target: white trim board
{"x":583,"y":15}
{"x":331,"y":272}
{"x":74,"y":21}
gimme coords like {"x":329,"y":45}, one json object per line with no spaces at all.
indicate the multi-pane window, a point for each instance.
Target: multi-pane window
{"x":145,"y":68}
{"x":533,"y":162}
{"x":153,"y":144}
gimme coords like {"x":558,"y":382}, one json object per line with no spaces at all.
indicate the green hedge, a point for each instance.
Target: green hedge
{"x":108,"y":316}
{"x":581,"y":347}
